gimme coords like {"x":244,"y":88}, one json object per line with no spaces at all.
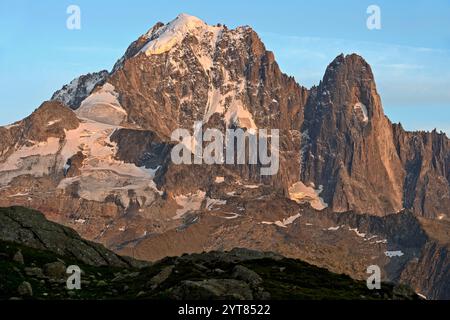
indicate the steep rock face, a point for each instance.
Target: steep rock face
{"x":78,"y":89}
{"x":426,"y":159}
{"x":50,"y":120}
{"x":349,"y":146}
{"x":364,"y":162}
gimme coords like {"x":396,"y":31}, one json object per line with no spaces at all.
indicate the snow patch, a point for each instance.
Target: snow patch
{"x":300,"y":193}
{"x":18,"y":195}
{"x":359,"y":234}
{"x":421,"y":295}
{"x":50,"y":123}
{"x":237,"y":114}
{"x":102,"y":174}
{"x":189,"y":202}
{"x":285,"y":222}
{"x":251,"y":186}
{"x":359,"y":107}
{"x":219,"y":179}
{"x":102,"y":106}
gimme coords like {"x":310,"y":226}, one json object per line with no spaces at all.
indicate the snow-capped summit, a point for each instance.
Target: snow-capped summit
{"x":183,"y":22}
{"x":166,"y":37}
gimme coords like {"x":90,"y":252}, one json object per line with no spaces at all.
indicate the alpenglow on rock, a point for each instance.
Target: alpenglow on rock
{"x":98,"y":159}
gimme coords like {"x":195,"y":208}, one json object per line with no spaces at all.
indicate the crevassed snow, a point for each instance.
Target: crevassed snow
{"x":363,"y":109}
{"x":35,"y":160}
{"x":300,"y":193}
{"x":102,"y":106}
{"x":93,"y":140}
{"x":44,"y":148}
{"x":102,"y":174}
{"x":189,"y":202}
{"x":98,"y":185}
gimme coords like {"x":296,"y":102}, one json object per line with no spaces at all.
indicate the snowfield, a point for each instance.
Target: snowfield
{"x":103,"y":106}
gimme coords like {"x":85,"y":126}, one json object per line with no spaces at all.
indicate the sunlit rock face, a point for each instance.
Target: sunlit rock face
{"x":98,"y":159}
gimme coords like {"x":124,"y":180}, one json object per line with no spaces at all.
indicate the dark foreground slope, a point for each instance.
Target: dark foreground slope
{"x":34,"y":254}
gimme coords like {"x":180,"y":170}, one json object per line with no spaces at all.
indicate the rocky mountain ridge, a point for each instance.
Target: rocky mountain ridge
{"x":101,"y":163}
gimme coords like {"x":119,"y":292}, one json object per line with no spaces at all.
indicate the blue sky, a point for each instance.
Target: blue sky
{"x":410,"y":55}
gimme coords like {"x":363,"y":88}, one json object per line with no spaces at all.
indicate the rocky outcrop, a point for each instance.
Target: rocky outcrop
{"x":80,"y":88}
{"x":30,"y":228}
{"x":349,"y":146}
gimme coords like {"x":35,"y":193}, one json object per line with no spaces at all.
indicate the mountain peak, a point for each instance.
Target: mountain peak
{"x":165,"y":37}
{"x":350,"y":67}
